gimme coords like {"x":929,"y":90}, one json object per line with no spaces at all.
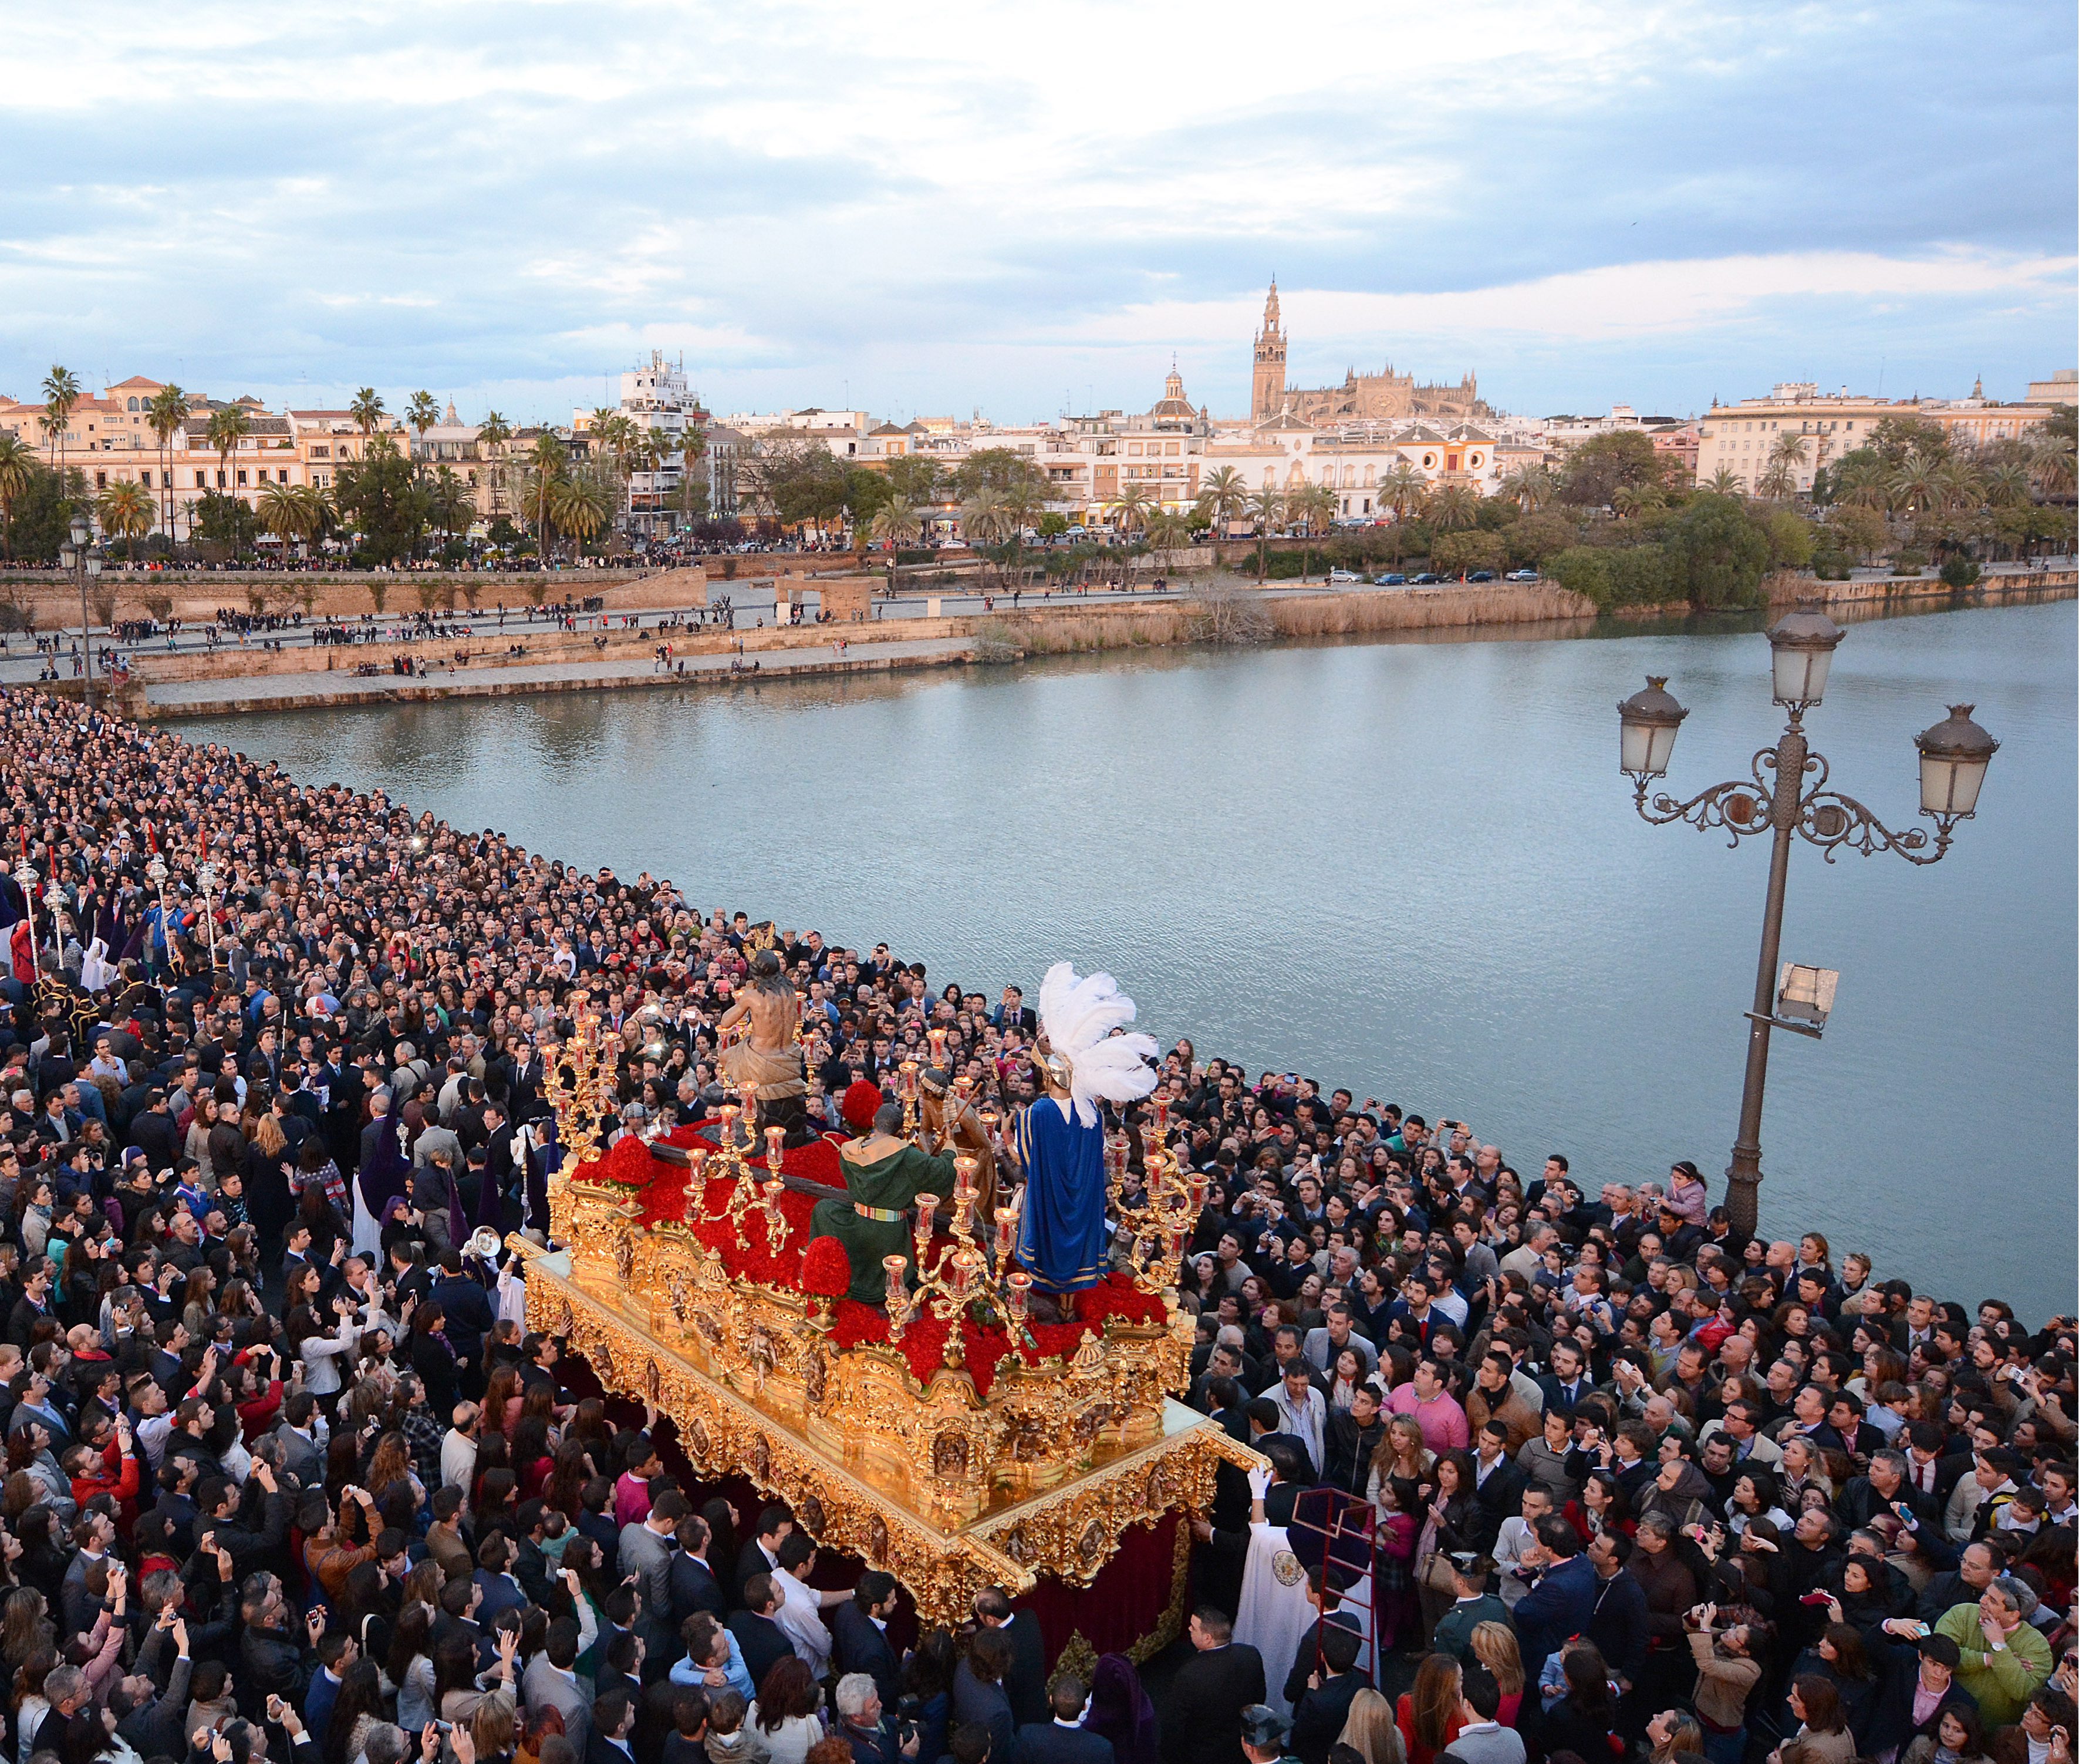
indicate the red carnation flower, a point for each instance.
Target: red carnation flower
{"x":826,"y":1270}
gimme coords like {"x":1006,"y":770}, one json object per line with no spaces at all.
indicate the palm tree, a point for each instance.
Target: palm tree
{"x":581,"y":506}
{"x":367,"y":410}
{"x":291,"y":513}
{"x":227,"y":427}
{"x":1789,"y":450}
{"x":2053,"y":461}
{"x":1453,"y":506}
{"x":1403,"y":488}
{"x":422,"y":412}
{"x":1631,"y":501}
{"x":1134,"y":508}
{"x":545,"y":468}
{"x":1529,"y":488}
{"x":60,"y":393}
{"x":1314,"y":506}
{"x":1167,"y":530}
{"x":1224,"y":496}
{"x":449,"y":504}
{"x":125,"y":511}
{"x":1725,"y":482}
{"x":18,"y":464}
{"x":895,"y":525}
{"x":1917,"y":485}
{"x":491,"y":435}
{"x":1266,"y":508}
{"x":167,"y":411}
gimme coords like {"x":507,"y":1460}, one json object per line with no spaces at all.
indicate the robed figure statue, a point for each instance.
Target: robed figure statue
{"x":1058,"y":1138}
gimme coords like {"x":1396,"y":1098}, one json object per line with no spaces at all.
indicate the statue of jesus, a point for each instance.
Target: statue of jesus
{"x":763,"y":1059}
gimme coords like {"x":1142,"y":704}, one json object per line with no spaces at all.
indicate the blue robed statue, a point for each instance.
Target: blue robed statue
{"x":1058,"y":1138}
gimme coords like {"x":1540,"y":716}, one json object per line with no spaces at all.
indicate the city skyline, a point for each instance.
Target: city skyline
{"x":917,"y":214}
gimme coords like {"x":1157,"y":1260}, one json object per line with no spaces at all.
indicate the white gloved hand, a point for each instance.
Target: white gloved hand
{"x":1259,"y":1482}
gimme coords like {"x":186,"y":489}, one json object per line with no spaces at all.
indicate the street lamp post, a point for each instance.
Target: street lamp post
{"x":1774,"y":800}
{"x":74,"y":558}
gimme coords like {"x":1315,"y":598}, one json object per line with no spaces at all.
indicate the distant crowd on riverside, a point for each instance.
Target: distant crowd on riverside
{"x":288,"y":1477}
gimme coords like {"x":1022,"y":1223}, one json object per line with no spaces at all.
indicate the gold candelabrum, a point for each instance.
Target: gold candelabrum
{"x":581,"y":1089}
{"x":965,"y":1272}
{"x":737,"y":1160}
{"x":1155,"y":1233}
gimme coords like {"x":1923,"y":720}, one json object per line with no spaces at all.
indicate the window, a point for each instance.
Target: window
{"x":202,"y":480}
{"x":101,"y":480}
{"x":319,"y":453}
{"x":133,"y":404}
{"x":1133,"y":448}
{"x":220,"y":479}
{"x":281,"y":476}
{"x":241,"y":480}
{"x":144,"y":478}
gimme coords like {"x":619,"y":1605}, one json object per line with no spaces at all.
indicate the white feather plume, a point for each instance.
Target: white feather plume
{"x":1077,"y":1017}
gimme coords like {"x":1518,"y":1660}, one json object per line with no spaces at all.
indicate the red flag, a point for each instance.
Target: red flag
{"x":151,"y":840}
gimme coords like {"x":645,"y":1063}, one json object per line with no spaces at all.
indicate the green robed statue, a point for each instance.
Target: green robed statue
{"x":883,"y":1174}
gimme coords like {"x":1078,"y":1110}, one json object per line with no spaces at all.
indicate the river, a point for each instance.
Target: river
{"x":1411,"y":868}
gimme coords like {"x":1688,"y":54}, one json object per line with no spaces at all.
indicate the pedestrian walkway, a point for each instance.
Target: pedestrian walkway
{"x":282,"y":692}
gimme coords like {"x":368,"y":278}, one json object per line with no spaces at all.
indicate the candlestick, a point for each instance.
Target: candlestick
{"x":775,"y":1137}
{"x":1006,"y":1227}
{"x":937,"y":1038}
{"x":926,"y":1205}
{"x":897,"y":1305}
{"x":1019,"y":1290}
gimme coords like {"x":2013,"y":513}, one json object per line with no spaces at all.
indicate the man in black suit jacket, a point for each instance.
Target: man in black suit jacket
{"x":612,"y":1721}
{"x":1025,"y":1681}
{"x":694,"y":1587}
{"x":760,"y":1553}
{"x":762,"y":1640}
{"x":1063,"y":1739}
{"x":857,"y":1641}
{"x":1202,"y":1722}
{"x":1325,"y":1704}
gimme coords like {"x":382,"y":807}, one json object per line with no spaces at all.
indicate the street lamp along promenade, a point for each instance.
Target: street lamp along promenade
{"x":1953,"y":755}
{"x":76,"y":559}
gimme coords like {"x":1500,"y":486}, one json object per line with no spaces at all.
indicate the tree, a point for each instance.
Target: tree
{"x":1529,"y":488}
{"x":895,"y":525}
{"x":166,"y":411}
{"x":1725,"y":482}
{"x":794,"y":481}
{"x":1132,"y":507}
{"x":1457,"y":553}
{"x":914,"y":479}
{"x":293,"y":514}
{"x":1452,"y":506}
{"x":1167,"y":529}
{"x":17,"y":467}
{"x":367,"y":410}
{"x":1266,"y":508}
{"x":1790,"y":539}
{"x":985,"y":519}
{"x":1857,"y":528}
{"x":993,"y":468}
{"x":1536,"y":536}
{"x":379,"y":495}
{"x":228,"y":428}
{"x":492,"y":434}
{"x":422,"y":412}
{"x":124,"y":510}
{"x":1600,"y":466}
{"x":1631,"y":500}
{"x":1402,"y":489}
{"x":1224,"y":496}
{"x":583,"y":505}
{"x":1718,"y":551}
{"x":449,"y":506}
{"x":543,"y":470}
{"x":225,"y":523}
{"x":2052,"y":458}
{"x":60,"y":394}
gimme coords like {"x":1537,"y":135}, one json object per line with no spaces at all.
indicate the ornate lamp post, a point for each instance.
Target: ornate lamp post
{"x":26,"y":879}
{"x":1775,"y":800}
{"x":74,"y":558}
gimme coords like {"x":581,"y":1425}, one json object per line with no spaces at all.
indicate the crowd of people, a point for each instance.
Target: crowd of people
{"x":287,"y":1476}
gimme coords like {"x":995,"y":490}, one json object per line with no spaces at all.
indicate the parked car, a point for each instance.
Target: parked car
{"x":1345,"y":575}
{"x":1425,"y":579}
{"x":1391,"y":579}
{"x":1521,"y":575}
{"x":1481,"y":576}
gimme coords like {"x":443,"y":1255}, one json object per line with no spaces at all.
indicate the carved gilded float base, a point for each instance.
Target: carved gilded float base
{"x":1068,"y":1531}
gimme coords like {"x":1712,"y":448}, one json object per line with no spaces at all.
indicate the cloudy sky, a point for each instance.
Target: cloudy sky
{"x":1028,"y":208}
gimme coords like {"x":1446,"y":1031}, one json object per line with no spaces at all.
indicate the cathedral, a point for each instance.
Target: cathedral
{"x":1360,"y":396}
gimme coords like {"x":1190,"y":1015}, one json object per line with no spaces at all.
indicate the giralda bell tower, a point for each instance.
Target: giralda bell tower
{"x":1267,"y":381}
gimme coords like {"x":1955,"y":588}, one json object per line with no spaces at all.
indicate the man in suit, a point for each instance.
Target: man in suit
{"x":1323,"y":1345}
{"x":1498,"y":1482}
{"x":1201,"y":1723}
{"x":859,"y":1642}
{"x":501,"y":1591}
{"x":647,"y":1547}
{"x":1563,"y":1601}
{"x":760,"y":1553}
{"x":1062,"y":1739}
{"x":759,"y":1639}
{"x":1325,"y":1705}
{"x":1025,"y":1681}
{"x":612,"y":1721}
{"x":1912,"y":1674}
{"x":551,"y":1682}
{"x":304,"y":1455}
{"x":694,"y":1587}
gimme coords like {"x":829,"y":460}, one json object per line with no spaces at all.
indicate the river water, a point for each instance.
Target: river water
{"x":1412,"y":868}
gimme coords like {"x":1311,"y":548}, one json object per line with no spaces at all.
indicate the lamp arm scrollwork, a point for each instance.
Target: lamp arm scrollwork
{"x":1739,"y":806}
{"x":1834,"y":822}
